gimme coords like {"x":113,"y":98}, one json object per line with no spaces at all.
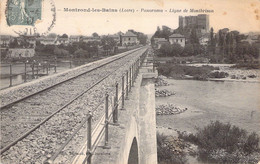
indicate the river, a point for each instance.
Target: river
{"x":234,"y":102}
{"x":19,"y":69}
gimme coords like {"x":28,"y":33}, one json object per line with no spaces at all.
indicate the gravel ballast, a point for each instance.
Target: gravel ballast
{"x":44,"y":141}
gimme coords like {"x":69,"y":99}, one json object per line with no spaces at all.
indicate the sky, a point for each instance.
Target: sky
{"x":241,"y":15}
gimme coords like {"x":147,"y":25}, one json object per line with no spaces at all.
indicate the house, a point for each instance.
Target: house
{"x":129,"y":38}
{"x":60,"y":41}
{"x":74,"y":38}
{"x":204,"y":39}
{"x":46,"y":40}
{"x":177,"y":38}
{"x":5,"y":40}
{"x":90,"y":39}
{"x":159,"y":42}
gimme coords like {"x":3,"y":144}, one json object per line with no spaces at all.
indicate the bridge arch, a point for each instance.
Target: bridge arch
{"x":133,"y":157}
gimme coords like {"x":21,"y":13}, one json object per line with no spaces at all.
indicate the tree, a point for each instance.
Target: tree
{"x":188,"y":50}
{"x":81,"y":53}
{"x":108,"y":43}
{"x":64,"y":36}
{"x":212,"y":42}
{"x":140,"y":36}
{"x":49,"y":49}
{"x":177,"y":49}
{"x":193,"y":37}
{"x":158,"y":29}
{"x":95,"y":34}
{"x":57,"y":51}
{"x":39,"y":47}
{"x":14,"y":43}
{"x":72,"y":47}
{"x":168,"y":49}
{"x":52,"y":35}
{"x":211,"y":35}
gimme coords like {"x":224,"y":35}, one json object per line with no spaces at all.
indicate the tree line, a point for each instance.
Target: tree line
{"x":232,"y":47}
{"x":224,"y":46}
{"x":80,"y":49}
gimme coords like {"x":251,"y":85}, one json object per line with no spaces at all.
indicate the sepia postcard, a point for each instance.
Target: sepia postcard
{"x":130,"y":81}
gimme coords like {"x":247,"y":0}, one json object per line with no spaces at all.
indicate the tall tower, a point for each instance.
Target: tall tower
{"x":182,"y":21}
{"x":203,"y":23}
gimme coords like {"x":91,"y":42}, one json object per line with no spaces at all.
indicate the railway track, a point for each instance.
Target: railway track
{"x":41,"y":112}
{"x":5,"y":102}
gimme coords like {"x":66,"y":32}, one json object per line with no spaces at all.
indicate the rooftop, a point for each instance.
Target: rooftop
{"x":128,"y":33}
{"x":46,"y":39}
{"x":160,"y":39}
{"x":176,"y":36}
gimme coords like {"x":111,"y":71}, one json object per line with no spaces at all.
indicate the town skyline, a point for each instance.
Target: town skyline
{"x":85,"y":23}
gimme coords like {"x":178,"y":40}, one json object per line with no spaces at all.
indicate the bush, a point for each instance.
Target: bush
{"x":251,"y":144}
{"x":170,"y":150}
{"x":175,"y":70}
{"x":224,"y":143}
{"x":168,"y":49}
{"x":218,"y":74}
{"x":188,"y":137}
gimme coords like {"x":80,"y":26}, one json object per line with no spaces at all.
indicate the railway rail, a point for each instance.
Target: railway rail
{"x":68,"y":110}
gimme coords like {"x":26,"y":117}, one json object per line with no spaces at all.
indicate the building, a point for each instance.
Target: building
{"x":158,"y":42}
{"x":46,"y":40}
{"x":90,"y":39}
{"x":204,"y":39}
{"x":129,"y":38}
{"x":177,"y":38}
{"x":74,"y":38}
{"x":201,"y":22}
{"x":60,"y":41}
{"x":5,"y":40}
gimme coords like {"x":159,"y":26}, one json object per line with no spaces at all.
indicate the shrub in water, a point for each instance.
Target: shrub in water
{"x":170,"y":150}
{"x":224,"y":143}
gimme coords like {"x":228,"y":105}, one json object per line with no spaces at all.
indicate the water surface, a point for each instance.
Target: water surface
{"x":233,"y":102}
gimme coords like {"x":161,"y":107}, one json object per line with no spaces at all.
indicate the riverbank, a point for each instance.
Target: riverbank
{"x":212,"y":72}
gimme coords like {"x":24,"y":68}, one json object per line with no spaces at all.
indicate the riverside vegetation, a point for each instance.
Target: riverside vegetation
{"x":196,"y":73}
{"x":216,"y":143}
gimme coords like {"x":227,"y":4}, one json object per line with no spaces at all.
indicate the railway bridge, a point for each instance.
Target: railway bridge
{"x":101,"y":112}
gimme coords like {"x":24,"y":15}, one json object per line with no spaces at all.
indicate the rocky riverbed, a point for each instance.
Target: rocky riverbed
{"x":163,"y":93}
{"x":160,"y":81}
{"x":169,"y":109}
